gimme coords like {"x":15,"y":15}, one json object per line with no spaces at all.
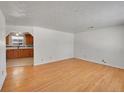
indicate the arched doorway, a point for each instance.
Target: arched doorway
{"x":19,"y":49}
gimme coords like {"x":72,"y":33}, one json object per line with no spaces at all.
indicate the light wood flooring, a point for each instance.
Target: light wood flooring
{"x":67,"y":75}
{"x":20,"y":62}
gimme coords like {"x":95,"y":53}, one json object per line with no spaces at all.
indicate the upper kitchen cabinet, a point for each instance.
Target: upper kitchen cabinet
{"x":29,"y":39}
{"x":7,"y":40}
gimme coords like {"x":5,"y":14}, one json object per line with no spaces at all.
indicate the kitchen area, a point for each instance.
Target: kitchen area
{"x":19,"y":49}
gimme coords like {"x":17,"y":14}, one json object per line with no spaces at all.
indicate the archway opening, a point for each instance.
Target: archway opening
{"x":19,"y":49}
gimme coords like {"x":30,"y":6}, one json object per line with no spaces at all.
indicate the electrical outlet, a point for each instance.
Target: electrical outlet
{"x":104,"y":61}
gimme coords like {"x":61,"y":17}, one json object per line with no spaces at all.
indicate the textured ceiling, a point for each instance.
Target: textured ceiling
{"x":68,"y":16}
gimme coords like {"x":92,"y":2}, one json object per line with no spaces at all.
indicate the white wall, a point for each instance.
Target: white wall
{"x":51,"y":45}
{"x":96,"y":45}
{"x":2,"y":50}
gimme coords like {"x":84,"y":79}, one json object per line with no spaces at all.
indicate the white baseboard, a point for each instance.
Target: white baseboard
{"x":93,"y":61}
{"x":57,"y":60}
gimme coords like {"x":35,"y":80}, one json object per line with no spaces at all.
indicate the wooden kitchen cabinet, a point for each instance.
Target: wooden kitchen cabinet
{"x":12,"y":54}
{"x":29,"y":39}
{"x":19,"y":53}
{"x":27,"y":53}
{"x":30,"y":52}
{"x":7,"y":40}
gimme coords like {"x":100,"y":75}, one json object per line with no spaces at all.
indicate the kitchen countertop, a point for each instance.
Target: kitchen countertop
{"x":19,"y":48}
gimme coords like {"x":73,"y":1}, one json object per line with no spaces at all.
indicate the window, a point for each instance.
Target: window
{"x":18,"y":40}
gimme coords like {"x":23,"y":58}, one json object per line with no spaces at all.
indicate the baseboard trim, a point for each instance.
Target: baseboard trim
{"x":83,"y":59}
{"x":92,"y":61}
{"x":54,"y":61}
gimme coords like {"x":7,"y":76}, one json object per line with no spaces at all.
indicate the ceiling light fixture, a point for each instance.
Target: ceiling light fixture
{"x":17,"y":34}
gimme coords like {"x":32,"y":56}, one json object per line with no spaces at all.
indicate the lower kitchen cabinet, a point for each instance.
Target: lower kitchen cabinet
{"x":19,"y":53}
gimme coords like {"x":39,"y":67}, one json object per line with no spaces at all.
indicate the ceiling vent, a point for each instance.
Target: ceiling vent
{"x":91,"y":28}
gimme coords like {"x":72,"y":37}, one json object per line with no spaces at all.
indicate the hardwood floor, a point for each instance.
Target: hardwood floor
{"x":20,"y":62}
{"x":67,"y":75}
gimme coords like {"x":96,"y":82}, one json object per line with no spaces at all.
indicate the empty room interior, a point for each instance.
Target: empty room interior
{"x":61,"y":46}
